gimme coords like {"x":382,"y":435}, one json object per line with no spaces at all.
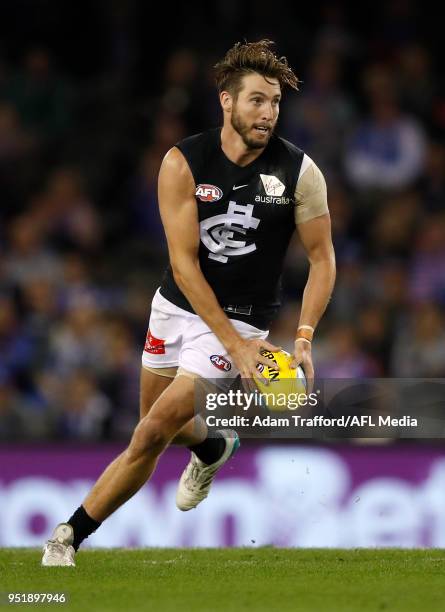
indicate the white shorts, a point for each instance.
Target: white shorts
{"x":178,"y":338}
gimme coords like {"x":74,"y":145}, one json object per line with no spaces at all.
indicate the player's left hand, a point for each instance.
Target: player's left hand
{"x":303,"y":358}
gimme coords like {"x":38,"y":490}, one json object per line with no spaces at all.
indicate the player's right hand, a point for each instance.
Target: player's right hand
{"x":246,"y":354}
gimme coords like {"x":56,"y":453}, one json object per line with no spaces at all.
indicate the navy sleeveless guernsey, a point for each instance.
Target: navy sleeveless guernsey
{"x":246,"y":218}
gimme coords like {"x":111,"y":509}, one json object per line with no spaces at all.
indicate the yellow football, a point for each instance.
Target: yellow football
{"x":287,"y":388}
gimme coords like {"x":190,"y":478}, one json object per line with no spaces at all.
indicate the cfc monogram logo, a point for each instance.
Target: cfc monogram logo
{"x":218,"y":233}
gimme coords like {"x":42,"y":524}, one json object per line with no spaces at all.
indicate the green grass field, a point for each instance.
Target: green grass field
{"x":233,"y":579}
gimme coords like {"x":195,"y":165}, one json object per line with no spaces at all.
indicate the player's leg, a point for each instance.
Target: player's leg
{"x":127,"y":473}
{"x":194,"y":434}
{"x":199,"y":347}
{"x":153,"y":383}
{"x":169,"y":328}
{"x":154,"y":432}
{"x":205,"y":459}
{"x":160,"y":358}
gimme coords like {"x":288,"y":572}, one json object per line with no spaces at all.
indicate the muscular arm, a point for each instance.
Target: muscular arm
{"x":179,"y":213}
{"x":314,"y":227}
{"x":316,"y":238}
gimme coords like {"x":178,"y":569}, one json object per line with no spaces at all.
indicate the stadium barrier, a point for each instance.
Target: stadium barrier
{"x":282,"y":495}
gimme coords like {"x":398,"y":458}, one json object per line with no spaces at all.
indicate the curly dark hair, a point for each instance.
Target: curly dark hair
{"x":246,"y":58}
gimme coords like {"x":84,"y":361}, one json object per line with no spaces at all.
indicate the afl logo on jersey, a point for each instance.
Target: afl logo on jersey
{"x":208,"y":193}
{"x":221,"y":363}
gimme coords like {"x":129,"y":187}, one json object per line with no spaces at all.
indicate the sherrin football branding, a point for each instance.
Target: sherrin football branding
{"x":221,"y":362}
{"x":208,"y":193}
{"x":284,"y":382}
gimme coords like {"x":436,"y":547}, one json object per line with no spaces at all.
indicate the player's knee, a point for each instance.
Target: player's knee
{"x":150,"y":437}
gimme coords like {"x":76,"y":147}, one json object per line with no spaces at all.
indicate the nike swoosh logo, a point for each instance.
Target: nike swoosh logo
{"x":235,"y":187}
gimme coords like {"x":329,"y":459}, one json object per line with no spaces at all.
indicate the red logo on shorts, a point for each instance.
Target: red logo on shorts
{"x":153,"y":345}
{"x":221,"y":362}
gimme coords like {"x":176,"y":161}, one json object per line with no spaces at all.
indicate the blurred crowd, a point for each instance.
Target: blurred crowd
{"x":81,"y":243}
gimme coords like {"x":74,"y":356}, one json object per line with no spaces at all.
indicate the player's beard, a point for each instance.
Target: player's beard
{"x":244,"y":130}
